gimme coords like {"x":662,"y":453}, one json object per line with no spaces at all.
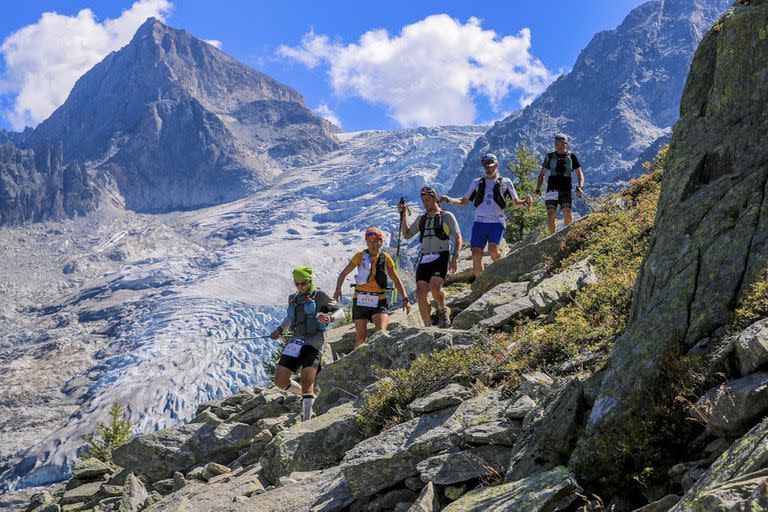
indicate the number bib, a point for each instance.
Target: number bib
{"x":552,"y":196}
{"x":293,"y":348}
{"x":367,"y":300}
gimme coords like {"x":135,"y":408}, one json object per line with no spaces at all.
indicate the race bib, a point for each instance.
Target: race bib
{"x":367,"y":300}
{"x":552,"y":196}
{"x":293,"y":348}
{"x":429,"y":258}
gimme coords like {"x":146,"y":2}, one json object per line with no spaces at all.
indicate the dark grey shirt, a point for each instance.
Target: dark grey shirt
{"x":323,"y":304}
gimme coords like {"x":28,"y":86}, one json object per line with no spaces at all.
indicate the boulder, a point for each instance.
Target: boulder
{"x":452,"y":394}
{"x":81,"y":494}
{"x":502,"y":431}
{"x":737,"y":480}
{"x":484,"y":307}
{"x":267,"y":404}
{"x":324,"y":492}
{"x":520,"y":408}
{"x":347,"y":378}
{"x":517,"y":263}
{"x":552,"y":490}
{"x":534,"y":385}
{"x":662,"y":505}
{"x":392,"y":456}
{"x":91,"y":469}
{"x":730,"y":409}
{"x":213,"y":469}
{"x":315,"y":444}
{"x":159,"y":454}
{"x":427,"y":500}
{"x":456,"y":467}
{"x":751,"y":347}
{"x":507,"y":313}
{"x":560,"y":287}
{"x":547,"y":441}
{"x":710,"y":232}
{"x":135,"y":495}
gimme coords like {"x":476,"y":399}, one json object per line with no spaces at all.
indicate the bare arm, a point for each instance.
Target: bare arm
{"x":340,"y":281}
{"x":540,"y":180}
{"x":580,"y":174}
{"x":455,"y":201}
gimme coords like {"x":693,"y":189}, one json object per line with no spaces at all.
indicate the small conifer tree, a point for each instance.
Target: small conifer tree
{"x":107,"y":438}
{"x":521,"y":222}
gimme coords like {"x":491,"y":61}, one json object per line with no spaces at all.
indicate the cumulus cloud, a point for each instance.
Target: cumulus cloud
{"x":326,"y":113}
{"x":430,"y":73}
{"x":214,"y":42}
{"x":44,"y":60}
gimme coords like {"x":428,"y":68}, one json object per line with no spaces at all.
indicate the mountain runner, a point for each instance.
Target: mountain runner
{"x":436,"y":227}
{"x":310,"y":313}
{"x":560,"y":164}
{"x":370,"y":299}
{"x":489,"y":194}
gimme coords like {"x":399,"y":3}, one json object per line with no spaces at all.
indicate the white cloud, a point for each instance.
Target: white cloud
{"x":214,"y":42}
{"x":326,"y":113}
{"x":44,"y":60}
{"x":431,"y":72}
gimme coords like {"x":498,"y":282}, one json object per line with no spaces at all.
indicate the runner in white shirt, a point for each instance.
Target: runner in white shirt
{"x":489,"y":194}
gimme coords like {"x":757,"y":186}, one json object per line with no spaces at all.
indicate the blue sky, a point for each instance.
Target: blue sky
{"x":476,"y":63}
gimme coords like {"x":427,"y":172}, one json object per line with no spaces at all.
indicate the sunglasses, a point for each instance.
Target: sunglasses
{"x":488,"y":162}
{"x":301,"y":283}
{"x":371,"y":234}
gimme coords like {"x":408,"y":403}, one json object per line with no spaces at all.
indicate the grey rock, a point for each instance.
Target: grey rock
{"x":427,"y":500}
{"x":662,"y":505}
{"x":135,"y":495}
{"x":547,"y":441}
{"x":39,"y":498}
{"x":520,"y":408}
{"x":509,"y":312}
{"x":207,"y":417}
{"x":751,"y":347}
{"x":560,"y":287}
{"x":737,"y":480}
{"x":484,"y":306}
{"x":452,"y":394}
{"x":552,"y":490}
{"x":165,"y":485}
{"x":534,"y":385}
{"x":325,"y":492}
{"x":195,"y":473}
{"x":501,"y":432}
{"x":349,"y":376}
{"x":454,"y":492}
{"x":160,"y":454}
{"x":414,"y":483}
{"x":267,"y":404}
{"x":390,"y":499}
{"x":730,"y":409}
{"x":81,"y":493}
{"x":179,"y":481}
{"x":391,"y":456}
{"x":314,"y":444}
{"x":456,"y":467}
{"x":698,"y":263}
{"x":213,"y":469}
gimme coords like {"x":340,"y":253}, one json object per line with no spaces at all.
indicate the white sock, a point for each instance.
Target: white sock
{"x":306,"y":406}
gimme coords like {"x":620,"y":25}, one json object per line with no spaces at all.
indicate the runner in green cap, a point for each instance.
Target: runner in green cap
{"x":310,"y":313}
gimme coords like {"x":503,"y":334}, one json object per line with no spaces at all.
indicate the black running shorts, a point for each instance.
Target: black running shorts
{"x":367,"y":313}
{"x":437,"y":268}
{"x":309,"y":356}
{"x":564,"y":200}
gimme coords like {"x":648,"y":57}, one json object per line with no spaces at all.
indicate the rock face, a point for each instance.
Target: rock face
{"x":711,"y":228}
{"x":553,"y":490}
{"x":621,"y":95}
{"x":737,"y":480}
{"x":178,"y":124}
{"x":36,"y":185}
{"x":729,"y":410}
{"x":752,"y":347}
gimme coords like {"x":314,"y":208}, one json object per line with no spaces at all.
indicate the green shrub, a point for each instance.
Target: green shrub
{"x":107,"y":438}
{"x":753,"y":304}
{"x":385,"y":406}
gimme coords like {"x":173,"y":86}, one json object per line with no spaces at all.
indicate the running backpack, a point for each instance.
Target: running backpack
{"x":381,"y":270}
{"x":439,"y":228}
{"x":479,"y":194}
{"x":311,"y":325}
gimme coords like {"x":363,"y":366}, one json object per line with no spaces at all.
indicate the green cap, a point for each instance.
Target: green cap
{"x":304,"y":273}
{"x":561,"y":136}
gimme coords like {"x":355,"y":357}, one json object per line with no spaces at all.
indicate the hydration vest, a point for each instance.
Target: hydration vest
{"x":439,"y":228}
{"x":478,"y":195}
{"x":364,"y":272}
{"x":311,"y":325}
{"x":560,"y":169}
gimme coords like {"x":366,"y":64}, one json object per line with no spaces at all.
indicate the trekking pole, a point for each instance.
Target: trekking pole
{"x":393,"y":296}
{"x":233,"y":340}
